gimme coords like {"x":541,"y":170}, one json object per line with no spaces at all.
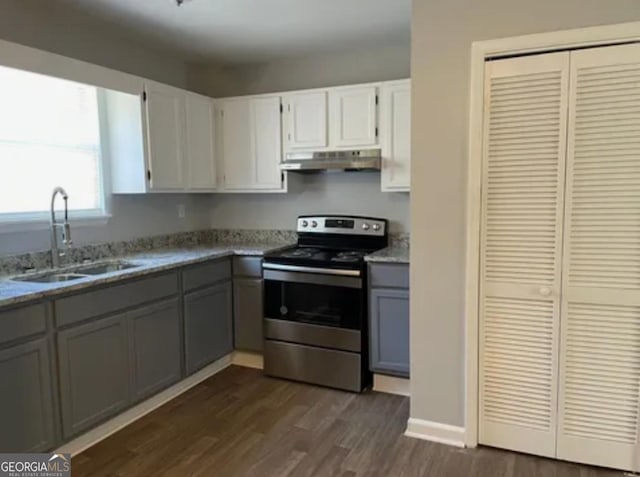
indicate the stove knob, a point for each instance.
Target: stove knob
{"x":314,"y":224}
{"x":365,"y":226}
{"x":376,"y":227}
{"x":305,"y":223}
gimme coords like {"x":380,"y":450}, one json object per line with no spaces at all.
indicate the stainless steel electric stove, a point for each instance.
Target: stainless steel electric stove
{"x":315,"y":304}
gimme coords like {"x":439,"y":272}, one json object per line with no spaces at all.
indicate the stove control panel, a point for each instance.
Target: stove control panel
{"x":343,"y":225}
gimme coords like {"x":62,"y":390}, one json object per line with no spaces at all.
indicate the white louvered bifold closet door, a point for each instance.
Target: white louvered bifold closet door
{"x":600,"y":346}
{"x":523,"y":182}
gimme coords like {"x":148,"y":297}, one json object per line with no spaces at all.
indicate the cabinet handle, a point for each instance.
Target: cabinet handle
{"x":545,"y":291}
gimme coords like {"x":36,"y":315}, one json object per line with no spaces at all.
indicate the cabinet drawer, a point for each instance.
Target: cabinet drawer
{"x":206,"y":274}
{"x":389,"y":275}
{"x":247,"y":267}
{"x":21,"y":322}
{"x":108,"y":300}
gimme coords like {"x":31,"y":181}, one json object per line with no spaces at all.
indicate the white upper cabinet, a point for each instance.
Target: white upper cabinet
{"x":306,"y":120}
{"x":165,"y":135}
{"x":250,"y":137}
{"x":200,"y":170}
{"x":353,"y":116}
{"x":395,"y":135}
{"x":267,"y":142}
{"x":235,"y":143}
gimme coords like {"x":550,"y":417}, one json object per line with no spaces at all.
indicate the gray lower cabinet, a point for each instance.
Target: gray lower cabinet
{"x":247,"y":313}
{"x":208,"y":325}
{"x":156,"y":348}
{"x":389,"y":331}
{"x":94,"y":372}
{"x":389,"y":319}
{"x":26,"y":399}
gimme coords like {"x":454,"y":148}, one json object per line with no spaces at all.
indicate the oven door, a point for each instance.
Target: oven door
{"x":333,"y":298}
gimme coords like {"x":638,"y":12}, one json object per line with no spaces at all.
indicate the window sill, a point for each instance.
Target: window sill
{"x":28,"y":225}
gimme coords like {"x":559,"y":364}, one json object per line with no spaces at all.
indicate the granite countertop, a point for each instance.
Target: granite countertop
{"x":15,"y":292}
{"x":392,"y":254}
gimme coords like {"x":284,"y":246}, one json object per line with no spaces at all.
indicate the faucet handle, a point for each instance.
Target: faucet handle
{"x":66,"y":234}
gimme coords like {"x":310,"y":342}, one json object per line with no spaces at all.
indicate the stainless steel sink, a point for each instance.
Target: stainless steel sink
{"x":102,"y":268}
{"x":76,"y":273}
{"x":51,"y":278}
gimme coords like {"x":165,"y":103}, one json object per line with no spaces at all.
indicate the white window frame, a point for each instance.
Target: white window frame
{"x":480,"y":52}
{"x":14,"y":55}
{"x":27,"y":221}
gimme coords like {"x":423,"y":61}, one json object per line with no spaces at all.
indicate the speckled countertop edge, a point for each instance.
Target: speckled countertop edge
{"x":15,"y":292}
{"x":392,"y":254}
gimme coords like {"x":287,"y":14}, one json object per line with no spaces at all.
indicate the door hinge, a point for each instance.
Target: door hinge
{"x":144,"y":96}
{"x":377,"y":100}
{"x":149,"y":175}
{"x":376,"y":132}
{"x":282,"y":177}
{"x":281,"y":109}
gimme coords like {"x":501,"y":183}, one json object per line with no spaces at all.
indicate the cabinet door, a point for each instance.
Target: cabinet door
{"x":389,"y":332}
{"x":266,"y":131}
{"x":247,"y":313}
{"x":237,"y":144}
{"x":599,"y":402}
{"x":306,"y":120}
{"x":94,"y":373}
{"x":26,"y":402}
{"x":395,"y":135}
{"x":520,"y":264}
{"x":165,"y":136}
{"x":155,"y":342}
{"x":353,"y":116}
{"x":208,"y":325}
{"x":200,"y":146}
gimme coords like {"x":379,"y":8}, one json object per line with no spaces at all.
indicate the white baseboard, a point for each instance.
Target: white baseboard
{"x":391,"y":385}
{"x":112,"y":426}
{"x":248,"y":360}
{"x":435,"y":432}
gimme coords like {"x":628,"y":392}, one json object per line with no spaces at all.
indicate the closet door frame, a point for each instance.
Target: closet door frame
{"x":480,"y":52}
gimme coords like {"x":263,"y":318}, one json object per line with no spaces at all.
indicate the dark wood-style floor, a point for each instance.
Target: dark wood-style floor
{"x":240,"y":423}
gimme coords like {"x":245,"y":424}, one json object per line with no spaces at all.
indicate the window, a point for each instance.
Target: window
{"x":49,"y":136}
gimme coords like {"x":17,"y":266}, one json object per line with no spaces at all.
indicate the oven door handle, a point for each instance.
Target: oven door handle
{"x":279,"y":275}
{"x":323,"y":271}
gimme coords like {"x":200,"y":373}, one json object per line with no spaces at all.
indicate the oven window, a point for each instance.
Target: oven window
{"x":314,"y":304}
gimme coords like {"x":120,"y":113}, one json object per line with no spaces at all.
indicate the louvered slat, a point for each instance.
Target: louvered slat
{"x":585,"y":367}
{"x":600,"y":344}
{"x":526,"y":181}
{"x":607,"y":138}
{"x":523,"y":177}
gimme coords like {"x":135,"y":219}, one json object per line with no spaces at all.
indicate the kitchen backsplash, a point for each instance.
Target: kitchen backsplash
{"x":16,"y":264}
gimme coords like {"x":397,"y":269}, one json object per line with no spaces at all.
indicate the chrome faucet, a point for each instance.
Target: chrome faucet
{"x":65,"y":227}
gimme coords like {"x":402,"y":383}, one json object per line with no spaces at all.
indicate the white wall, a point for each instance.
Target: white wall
{"x":133,"y":217}
{"x":334,"y":192}
{"x":40,"y":24}
{"x":442,"y":33}
{"x":339,"y":192}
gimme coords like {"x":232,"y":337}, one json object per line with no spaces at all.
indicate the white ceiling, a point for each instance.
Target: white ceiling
{"x":259,"y":30}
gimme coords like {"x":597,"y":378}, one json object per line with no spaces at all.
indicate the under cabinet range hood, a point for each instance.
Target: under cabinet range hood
{"x":352,"y":160}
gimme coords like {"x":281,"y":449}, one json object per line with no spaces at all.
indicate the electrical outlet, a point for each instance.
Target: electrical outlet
{"x":182,"y":211}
